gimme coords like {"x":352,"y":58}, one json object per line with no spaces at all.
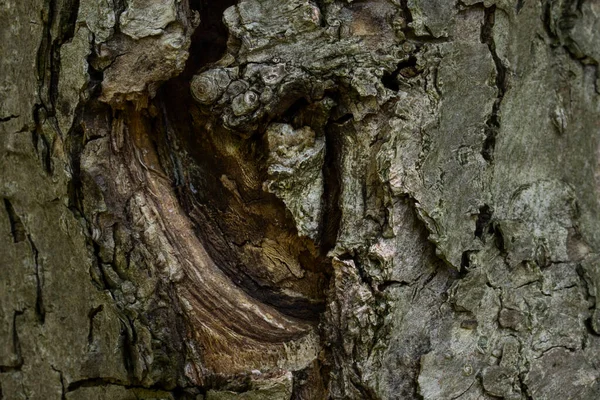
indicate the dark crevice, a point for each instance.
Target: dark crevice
{"x":209,"y":40}
{"x":465,"y":262}
{"x":390,"y":80}
{"x":237,"y":383}
{"x":108,"y":381}
{"x":194,"y":159}
{"x":43,"y":55}
{"x":91,"y":315}
{"x":406,"y":69}
{"x":344,"y":118}
{"x":332,"y":212}
{"x":204,"y":204}
{"x":95,"y":79}
{"x":293,"y":110}
{"x":187,"y":155}
{"x":119,"y":6}
{"x":95,"y":73}
{"x":418,"y":40}
{"x":406,"y":11}
{"x":45,"y":150}
{"x":588,"y":293}
{"x":523,"y":387}
{"x":489,"y":144}
{"x":100,"y":268}
{"x":17,"y":229}
{"x":40,"y":311}
{"x":92,"y":119}
{"x":387,"y":284}
{"x":309,"y":383}
{"x":483,"y":221}
{"x":367,"y":392}
{"x":127,"y":343}
{"x":239,"y":274}
{"x":74,"y":145}
{"x":39,"y":139}
{"x":492,"y":125}
{"x":66,"y":21}
{"x":548,"y":23}
{"x":590,"y":328}
{"x":519,"y":6}
{"x":63,"y":392}
{"x":365,"y":278}
{"x":8,"y":118}
{"x":16,"y":345}
{"x":94,"y":382}
{"x":189,"y":393}
{"x":16,"y":341}
{"x":416,"y":392}
{"x":59,"y":28}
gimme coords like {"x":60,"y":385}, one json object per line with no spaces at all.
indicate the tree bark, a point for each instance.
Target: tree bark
{"x":328,"y":199}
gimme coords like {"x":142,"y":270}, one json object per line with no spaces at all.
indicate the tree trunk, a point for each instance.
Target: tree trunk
{"x":299,"y":199}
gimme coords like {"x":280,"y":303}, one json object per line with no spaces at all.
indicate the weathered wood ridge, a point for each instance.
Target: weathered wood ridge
{"x":299,"y":199}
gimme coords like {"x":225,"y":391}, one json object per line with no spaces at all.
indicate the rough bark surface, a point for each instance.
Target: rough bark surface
{"x":269,"y":199}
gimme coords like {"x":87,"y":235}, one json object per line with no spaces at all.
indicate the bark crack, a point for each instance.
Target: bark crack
{"x":391,"y":283}
{"x":127,"y":344}
{"x":40,"y":140}
{"x":40,"y":311}
{"x":332,"y":212}
{"x":484,"y":219}
{"x":523,"y":387}
{"x":62,"y":16}
{"x":19,"y":234}
{"x":63,"y":392}
{"x":16,"y":347}
{"x":97,"y":382}
{"x":465,"y":391}
{"x":17,"y":229}
{"x":493,"y":122}
{"x":8,"y":118}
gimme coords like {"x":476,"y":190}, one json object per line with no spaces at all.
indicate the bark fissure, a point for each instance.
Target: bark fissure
{"x":8,"y":118}
{"x":16,"y":346}
{"x":63,"y":392}
{"x":59,"y":28}
{"x":524,"y":388}
{"x":93,"y":382}
{"x":40,"y":311}
{"x":494,"y":120}
{"x":331,"y":189}
{"x":17,"y":229}
{"x":484,"y":219}
{"x":41,"y":143}
{"x":127,"y":341}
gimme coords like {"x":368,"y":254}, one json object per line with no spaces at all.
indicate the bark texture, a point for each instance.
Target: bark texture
{"x":295,"y":199}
